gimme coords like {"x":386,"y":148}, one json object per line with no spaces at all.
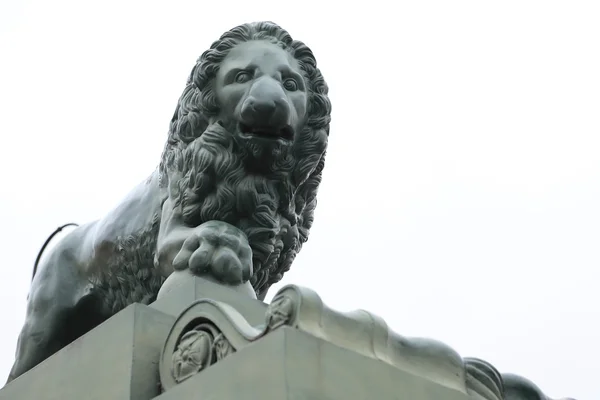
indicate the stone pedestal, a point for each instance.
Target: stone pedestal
{"x":117,"y":360}
{"x":202,"y":340}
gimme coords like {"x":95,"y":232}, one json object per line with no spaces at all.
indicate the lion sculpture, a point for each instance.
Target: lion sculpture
{"x":234,"y":193}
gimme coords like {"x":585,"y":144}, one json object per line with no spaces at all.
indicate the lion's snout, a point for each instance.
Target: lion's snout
{"x":266,"y":106}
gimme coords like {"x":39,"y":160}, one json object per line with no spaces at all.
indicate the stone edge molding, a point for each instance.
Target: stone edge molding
{"x":208,"y":331}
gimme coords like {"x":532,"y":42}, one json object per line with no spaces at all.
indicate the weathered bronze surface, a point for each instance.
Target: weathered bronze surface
{"x":233,"y":196}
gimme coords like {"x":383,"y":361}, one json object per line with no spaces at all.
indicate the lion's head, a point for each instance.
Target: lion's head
{"x":247,"y":143}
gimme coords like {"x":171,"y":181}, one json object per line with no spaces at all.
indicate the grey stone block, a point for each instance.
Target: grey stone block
{"x":117,"y":360}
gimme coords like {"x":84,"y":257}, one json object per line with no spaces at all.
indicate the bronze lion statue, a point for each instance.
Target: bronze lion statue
{"x":233,"y":196}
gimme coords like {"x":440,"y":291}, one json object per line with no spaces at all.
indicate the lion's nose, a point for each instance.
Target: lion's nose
{"x":263,"y":110}
{"x":266,"y":106}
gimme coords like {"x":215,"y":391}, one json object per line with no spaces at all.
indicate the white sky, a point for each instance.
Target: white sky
{"x":461,"y":194}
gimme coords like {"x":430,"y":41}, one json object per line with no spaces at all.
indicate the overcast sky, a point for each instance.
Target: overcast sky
{"x":461,"y":192}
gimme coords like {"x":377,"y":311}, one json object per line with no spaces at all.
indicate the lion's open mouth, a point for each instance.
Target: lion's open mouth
{"x":286,"y":133}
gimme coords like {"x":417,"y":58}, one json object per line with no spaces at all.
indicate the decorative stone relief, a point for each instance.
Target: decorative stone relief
{"x":197,"y":349}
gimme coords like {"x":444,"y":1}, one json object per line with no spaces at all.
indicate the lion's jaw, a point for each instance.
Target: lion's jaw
{"x":260,"y":154}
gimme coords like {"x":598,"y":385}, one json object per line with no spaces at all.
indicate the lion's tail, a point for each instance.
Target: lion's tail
{"x":39,"y":256}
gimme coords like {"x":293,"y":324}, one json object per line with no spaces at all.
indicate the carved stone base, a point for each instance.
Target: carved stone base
{"x":291,"y":364}
{"x":181,"y":289}
{"x":204,"y":340}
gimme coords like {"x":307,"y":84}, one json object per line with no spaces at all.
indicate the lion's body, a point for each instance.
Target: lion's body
{"x":234,"y":193}
{"x":121,"y":268}
{"x":112,"y":259}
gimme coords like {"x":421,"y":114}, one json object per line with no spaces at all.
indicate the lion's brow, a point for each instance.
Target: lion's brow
{"x":284,"y":69}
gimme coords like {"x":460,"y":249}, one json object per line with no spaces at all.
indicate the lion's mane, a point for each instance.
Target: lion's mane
{"x":205,"y":169}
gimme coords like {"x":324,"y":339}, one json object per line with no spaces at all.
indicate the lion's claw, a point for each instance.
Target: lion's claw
{"x":217,"y":248}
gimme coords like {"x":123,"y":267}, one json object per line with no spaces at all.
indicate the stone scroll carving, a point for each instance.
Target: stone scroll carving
{"x":197,"y":349}
{"x":209,"y":330}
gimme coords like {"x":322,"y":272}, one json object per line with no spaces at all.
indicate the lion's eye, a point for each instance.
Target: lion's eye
{"x":290,"y":84}
{"x":243,"y":77}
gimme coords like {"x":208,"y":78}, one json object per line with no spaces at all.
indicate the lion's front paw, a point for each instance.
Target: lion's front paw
{"x":218,"y":248}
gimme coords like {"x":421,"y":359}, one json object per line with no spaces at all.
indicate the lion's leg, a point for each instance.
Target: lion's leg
{"x":39,"y":338}
{"x":53,"y":296}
